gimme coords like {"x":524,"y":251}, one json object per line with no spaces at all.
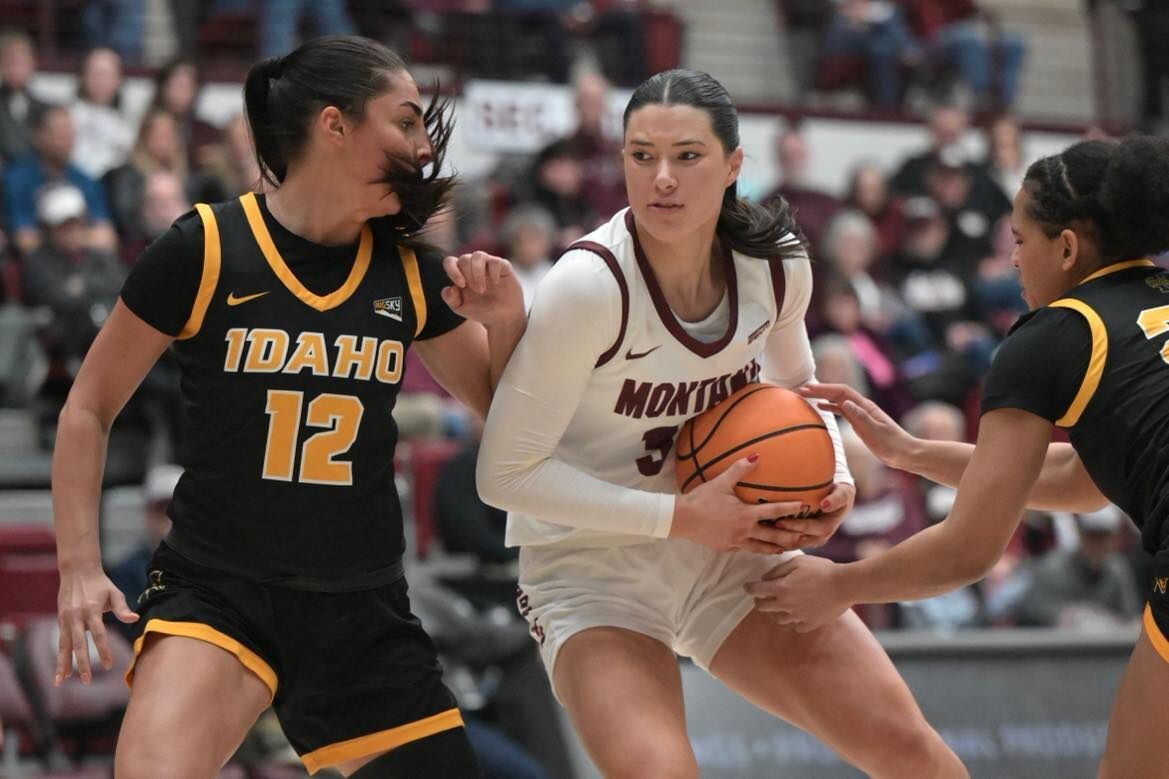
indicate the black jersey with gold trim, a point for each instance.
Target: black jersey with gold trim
{"x":289,"y":457}
{"x":1096,"y":362}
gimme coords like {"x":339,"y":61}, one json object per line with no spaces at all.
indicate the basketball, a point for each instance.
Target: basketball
{"x":796,"y":459}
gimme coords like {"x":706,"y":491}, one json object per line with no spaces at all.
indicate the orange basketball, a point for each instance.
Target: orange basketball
{"x":796,"y":460}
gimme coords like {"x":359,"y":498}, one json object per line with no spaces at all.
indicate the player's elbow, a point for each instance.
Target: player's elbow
{"x":491,"y":479}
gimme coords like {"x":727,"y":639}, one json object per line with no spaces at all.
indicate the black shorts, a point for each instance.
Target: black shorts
{"x":351,"y":674}
{"x":1157,"y":611}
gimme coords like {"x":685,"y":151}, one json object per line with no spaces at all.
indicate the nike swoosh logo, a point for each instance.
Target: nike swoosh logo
{"x":232,"y":300}
{"x":632,"y":355}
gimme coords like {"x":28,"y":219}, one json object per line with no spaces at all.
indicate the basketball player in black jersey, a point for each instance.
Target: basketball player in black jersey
{"x":1092,"y":357}
{"x":281,"y":582}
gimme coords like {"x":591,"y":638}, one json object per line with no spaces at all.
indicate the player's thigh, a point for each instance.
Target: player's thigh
{"x":838,"y":684}
{"x":1137,"y":747}
{"x":623,"y":692}
{"x":191,"y":705}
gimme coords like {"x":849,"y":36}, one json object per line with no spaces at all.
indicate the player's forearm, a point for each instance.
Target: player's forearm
{"x":928,"y":563}
{"x":78,"y":462}
{"x":943,"y":462}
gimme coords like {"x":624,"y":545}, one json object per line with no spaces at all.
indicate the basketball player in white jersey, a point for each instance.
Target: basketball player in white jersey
{"x":650,"y":319}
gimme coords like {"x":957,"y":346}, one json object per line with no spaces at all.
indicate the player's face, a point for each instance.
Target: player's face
{"x":1037,"y":257}
{"x":392,"y":127}
{"x":676,"y":170}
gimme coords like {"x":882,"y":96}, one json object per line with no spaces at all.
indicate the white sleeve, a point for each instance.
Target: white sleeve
{"x":575,"y":318}
{"x":787,"y":355}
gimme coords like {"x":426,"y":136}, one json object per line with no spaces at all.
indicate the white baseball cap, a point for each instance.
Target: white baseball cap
{"x":59,"y":203}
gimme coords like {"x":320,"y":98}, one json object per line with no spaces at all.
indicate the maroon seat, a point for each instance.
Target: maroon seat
{"x":27,"y":538}
{"x":28,"y":586}
{"x":424,"y":462}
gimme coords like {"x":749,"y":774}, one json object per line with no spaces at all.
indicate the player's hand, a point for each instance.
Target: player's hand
{"x":84,"y":596}
{"x":885,"y":438}
{"x":483,"y":288}
{"x":815,"y":531}
{"x":801,"y":592}
{"x":714,"y":516}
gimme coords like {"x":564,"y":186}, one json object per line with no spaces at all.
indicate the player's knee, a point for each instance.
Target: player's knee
{"x":150,"y":759}
{"x":913,"y":748}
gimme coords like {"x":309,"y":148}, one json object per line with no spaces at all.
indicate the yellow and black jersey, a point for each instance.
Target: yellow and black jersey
{"x":291,"y":355}
{"x":1096,"y":362}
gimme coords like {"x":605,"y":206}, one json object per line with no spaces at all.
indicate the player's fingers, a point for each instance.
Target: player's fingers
{"x":834,"y":393}
{"x":453,"y":297}
{"x":777,"y":511}
{"x":495,"y":270}
{"x":64,"y":652}
{"x":479,"y":272}
{"x":453,"y":271}
{"x":836,"y":499}
{"x":758,"y":546}
{"x":122,"y":609}
{"x":100,"y":641}
{"x":776,"y":536}
{"x":737,"y":470}
{"x":778,"y":572}
{"x":800,"y":526}
{"x":81,"y":650}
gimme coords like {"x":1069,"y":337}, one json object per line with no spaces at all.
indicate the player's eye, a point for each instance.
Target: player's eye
{"x":688,"y":156}
{"x":640,"y":156}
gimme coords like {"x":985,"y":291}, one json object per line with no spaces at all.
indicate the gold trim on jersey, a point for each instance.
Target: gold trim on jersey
{"x":285,"y":274}
{"x":210,"y":277}
{"x":1156,"y":637}
{"x":1095,"y":362}
{"x":210,"y":635}
{"x":414,"y":280}
{"x":383,"y":741}
{"x":1107,"y":269}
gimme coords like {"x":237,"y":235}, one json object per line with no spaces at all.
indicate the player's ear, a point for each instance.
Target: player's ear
{"x":736,"y":160}
{"x":1070,"y":247}
{"x":333,"y":123}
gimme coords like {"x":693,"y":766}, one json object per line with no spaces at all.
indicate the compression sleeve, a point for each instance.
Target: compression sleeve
{"x":574,"y":319}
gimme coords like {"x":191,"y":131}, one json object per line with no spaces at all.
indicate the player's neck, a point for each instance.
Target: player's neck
{"x":689,"y":274}
{"x":315,"y":211}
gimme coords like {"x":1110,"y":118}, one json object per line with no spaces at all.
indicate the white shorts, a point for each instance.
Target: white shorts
{"x":685,"y":595}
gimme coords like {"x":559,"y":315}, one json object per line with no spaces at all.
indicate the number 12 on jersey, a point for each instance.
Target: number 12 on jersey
{"x":339,"y":415}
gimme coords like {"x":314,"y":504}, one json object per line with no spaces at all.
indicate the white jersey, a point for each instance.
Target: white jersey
{"x":578,"y":443}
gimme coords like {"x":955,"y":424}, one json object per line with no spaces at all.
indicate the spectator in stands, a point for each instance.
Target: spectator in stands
{"x":231,"y":163}
{"x":104,"y":134}
{"x":934,"y":420}
{"x":176,"y":89}
{"x":527,"y":236}
{"x":868,"y":192}
{"x":17,"y":102}
{"x":556,"y":183}
{"x":931,"y":286}
{"x":811,"y":206}
{"x":76,"y":282}
{"x":280,"y":20}
{"x":597,"y":145}
{"x":159,"y":147}
{"x":1151,"y":24}
{"x":129,"y":573}
{"x":1090,"y":586}
{"x":970,"y":39}
{"x":465,"y":524}
{"x":970,"y":200}
{"x":1005,"y":161}
{"x":876,"y":31}
{"x":164,"y":199}
{"x":947,"y":125}
{"x":49,"y":162}
{"x":839,"y":311}
{"x":886,"y":512}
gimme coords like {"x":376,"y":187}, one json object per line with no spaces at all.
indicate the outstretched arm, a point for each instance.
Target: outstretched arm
{"x":809,"y":592}
{"x":1062,"y":485}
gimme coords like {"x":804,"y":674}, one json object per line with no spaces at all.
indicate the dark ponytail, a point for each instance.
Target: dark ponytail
{"x":1118,"y":190}
{"x":766,"y":230}
{"x":282,"y":96}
